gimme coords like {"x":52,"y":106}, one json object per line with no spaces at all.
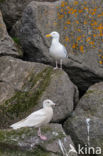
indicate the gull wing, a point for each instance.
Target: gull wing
{"x":65,"y":51}
{"x":35,"y":119}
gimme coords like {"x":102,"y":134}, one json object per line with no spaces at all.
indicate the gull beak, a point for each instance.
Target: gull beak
{"x":48,"y":35}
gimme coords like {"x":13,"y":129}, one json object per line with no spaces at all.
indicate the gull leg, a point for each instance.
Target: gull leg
{"x":42,"y":137}
{"x":56,"y":65}
{"x":61,"y":64}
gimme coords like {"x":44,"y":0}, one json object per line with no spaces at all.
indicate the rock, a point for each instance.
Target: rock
{"x":12,"y":10}
{"x":89,"y":106}
{"x":25,"y":85}
{"x":7,"y":45}
{"x":80,"y":33}
{"x":25,"y":141}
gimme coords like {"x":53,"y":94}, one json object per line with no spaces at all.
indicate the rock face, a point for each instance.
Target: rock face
{"x":80,"y":26}
{"x":7,"y":45}
{"x":90,"y":106}
{"x":12,"y":10}
{"x":25,"y":85}
{"x":26,"y":142}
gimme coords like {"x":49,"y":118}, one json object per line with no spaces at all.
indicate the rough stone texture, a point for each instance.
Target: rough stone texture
{"x":90,"y":106}
{"x":7,"y":45}
{"x":25,"y":85}
{"x":80,"y":26}
{"x":26,"y":142}
{"x":12,"y":10}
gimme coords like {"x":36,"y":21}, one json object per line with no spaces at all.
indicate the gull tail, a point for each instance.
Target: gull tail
{"x":18,"y":125}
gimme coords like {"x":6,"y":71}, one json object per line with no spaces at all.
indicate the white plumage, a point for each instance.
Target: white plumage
{"x":57,"y":50}
{"x":38,"y":118}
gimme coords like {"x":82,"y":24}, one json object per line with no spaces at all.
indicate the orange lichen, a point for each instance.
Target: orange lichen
{"x":100,"y":50}
{"x":101,"y":34}
{"x":100,"y":15}
{"x":100,"y":62}
{"x":79,"y":38}
{"x":74,"y":45}
{"x":61,"y":10}
{"x":76,"y":2}
{"x":86,"y":8}
{"x":94,"y":23}
{"x":88,"y":39}
{"x":100,"y":27}
{"x":85,"y":2}
{"x":68,"y":7}
{"x":69,"y":12}
{"x":94,"y":35}
{"x":66,"y":3}
{"x":74,"y":11}
{"x":77,"y":22}
{"x":91,"y":42}
{"x":65,"y":12}
{"x":82,"y":48}
{"x":67,"y":39}
{"x":65,"y":28}
{"x":93,"y":13}
{"x":60,"y":16}
{"x":55,"y":23}
{"x":85,"y":22}
{"x":80,"y":11}
{"x":68,"y":22}
{"x":62,"y":4}
{"x":79,"y":30}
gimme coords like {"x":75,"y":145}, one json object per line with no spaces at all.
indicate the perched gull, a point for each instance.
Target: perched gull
{"x":57,"y":50}
{"x":38,"y":118}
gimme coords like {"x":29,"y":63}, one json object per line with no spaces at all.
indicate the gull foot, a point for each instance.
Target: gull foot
{"x":42,"y":137}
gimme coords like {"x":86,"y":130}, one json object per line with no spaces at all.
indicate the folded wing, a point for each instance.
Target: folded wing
{"x":35,"y":119}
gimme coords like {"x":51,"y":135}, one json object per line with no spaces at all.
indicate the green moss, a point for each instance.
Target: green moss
{"x":10,"y":139}
{"x":5,"y":151}
{"x":23,"y":102}
{"x":18,"y":46}
{"x":2,"y":1}
{"x":90,"y":91}
{"x":46,"y":129}
{"x":16,"y":40}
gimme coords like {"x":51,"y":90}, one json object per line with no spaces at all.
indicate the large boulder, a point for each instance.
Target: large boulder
{"x":80,"y":26}
{"x":12,"y":10}
{"x":25,"y":142}
{"x":25,"y":85}
{"x":7,"y":45}
{"x":90,"y":107}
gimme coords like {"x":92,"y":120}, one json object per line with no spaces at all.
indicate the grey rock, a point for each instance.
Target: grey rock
{"x":90,"y":106}
{"x":26,"y":142}
{"x":7,"y":45}
{"x":79,"y":34}
{"x":12,"y":10}
{"x":25,"y":85}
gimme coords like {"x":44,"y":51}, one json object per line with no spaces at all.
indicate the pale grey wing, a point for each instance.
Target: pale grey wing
{"x":35,"y":119}
{"x":65,"y":51}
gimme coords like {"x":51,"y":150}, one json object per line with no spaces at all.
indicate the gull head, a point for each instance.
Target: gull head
{"x":53,"y":34}
{"x":48,"y":103}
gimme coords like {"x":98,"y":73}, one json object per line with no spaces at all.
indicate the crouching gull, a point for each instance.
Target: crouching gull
{"x":38,"y":118}
{"x":57,"y":50}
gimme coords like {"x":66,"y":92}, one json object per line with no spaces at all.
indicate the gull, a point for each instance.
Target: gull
{"x":57,"y":50}
{"x":37,"y":118}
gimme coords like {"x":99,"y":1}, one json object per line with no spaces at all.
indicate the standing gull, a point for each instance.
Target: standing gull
{"x":38,"y":118}
{"x":57,"y":50}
